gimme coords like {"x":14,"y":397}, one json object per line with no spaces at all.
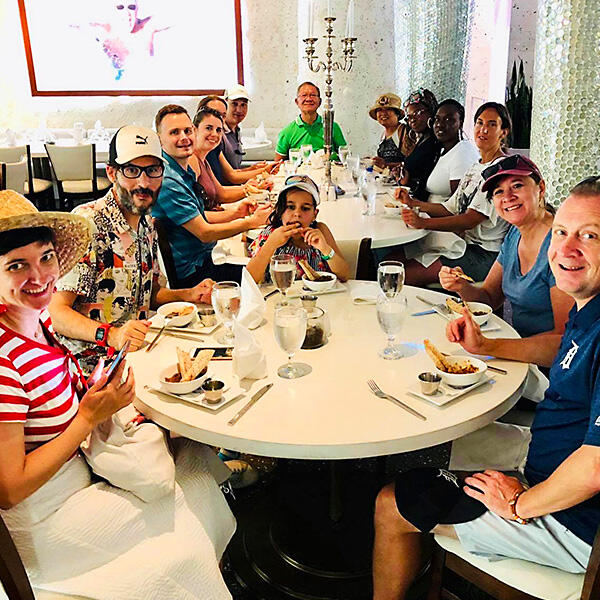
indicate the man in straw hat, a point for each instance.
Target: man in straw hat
{"x":395,"y":144}
{"x":104,"y":301}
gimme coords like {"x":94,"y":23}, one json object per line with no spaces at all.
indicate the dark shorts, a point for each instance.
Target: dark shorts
{"x":428,"y":497}
{"x":475,"y":262}
{"x":209,"y":270}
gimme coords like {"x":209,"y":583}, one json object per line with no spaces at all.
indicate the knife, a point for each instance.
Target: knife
{"x":440,"y":309}
{"x":423,"y":312}
{"x":249,"y":404}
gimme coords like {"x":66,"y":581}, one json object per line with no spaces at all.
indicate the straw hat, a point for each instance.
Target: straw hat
{"x":387,"y":101}
{"x":72,"y":233}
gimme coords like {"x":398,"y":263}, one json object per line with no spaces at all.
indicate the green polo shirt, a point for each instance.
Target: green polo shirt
{"x":298,"y":133}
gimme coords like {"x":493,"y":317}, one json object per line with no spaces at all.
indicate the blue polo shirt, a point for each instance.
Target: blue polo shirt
{"x":179,"y":201}
{"x":569,"y":415}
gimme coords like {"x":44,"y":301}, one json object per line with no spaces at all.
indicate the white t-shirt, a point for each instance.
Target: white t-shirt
{"x":489,"y":234}
{"x":451,"y":165}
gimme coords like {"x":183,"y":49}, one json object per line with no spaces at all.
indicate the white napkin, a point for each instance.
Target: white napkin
{"x":365,"y":293}
{"x":435,"y":244}
{"x":260,"y":134}
{"x":222,"y":254}
{"x":249,"y":359}
{"x":536,"y":384}
{"x":252,"y":307}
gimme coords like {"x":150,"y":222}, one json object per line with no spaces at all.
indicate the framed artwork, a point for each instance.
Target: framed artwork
{"x":132,"y":47}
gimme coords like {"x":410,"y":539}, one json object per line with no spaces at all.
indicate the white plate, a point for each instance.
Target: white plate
{"x":446,"y":393}
{"x":197,"y":398}
{"x":298,"y":290}
{"x":195,"y":325}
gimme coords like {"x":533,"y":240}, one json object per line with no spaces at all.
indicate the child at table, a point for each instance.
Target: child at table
{"x":292,"y":229}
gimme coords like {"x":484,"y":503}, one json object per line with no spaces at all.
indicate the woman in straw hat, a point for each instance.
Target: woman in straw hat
{"x":75,"y":537}
{"x":395,"y":144}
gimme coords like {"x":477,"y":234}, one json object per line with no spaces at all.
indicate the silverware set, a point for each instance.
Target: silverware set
{"x":381,"y":394}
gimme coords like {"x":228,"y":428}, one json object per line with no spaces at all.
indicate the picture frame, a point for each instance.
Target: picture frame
{"x":132,"y":47}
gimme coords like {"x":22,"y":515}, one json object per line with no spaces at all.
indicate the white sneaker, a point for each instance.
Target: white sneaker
{"x":242,"y":474}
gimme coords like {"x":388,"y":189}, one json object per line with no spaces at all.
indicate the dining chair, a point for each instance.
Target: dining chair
{"x":35,"y":187}
{"x":13,"y":176}
{"x":512,"y":579}
{"x":74,"y":168}
{"x":166,"y":254}
{"x":13,"y":577}
{"x":360,"y":259}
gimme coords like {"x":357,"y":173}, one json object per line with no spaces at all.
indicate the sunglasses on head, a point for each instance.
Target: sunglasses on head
{"x":516,"y":161}
{"x":298,"y":179}
{"x":588,"y":180}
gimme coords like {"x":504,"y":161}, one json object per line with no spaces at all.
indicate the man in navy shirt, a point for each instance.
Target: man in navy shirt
{"x":549,"y":516}
{"x":192,"y":232}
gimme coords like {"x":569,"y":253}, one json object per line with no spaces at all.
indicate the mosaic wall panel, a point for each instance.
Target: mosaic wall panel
{"x":565,"y":136}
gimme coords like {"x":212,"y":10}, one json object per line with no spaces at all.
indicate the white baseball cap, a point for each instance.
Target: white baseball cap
{"x":237,"y":92}
{"x":301,"y":182}
{"x":131,"y":142}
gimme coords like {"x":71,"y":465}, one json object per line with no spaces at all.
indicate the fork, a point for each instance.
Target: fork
{"x":381,"y":394}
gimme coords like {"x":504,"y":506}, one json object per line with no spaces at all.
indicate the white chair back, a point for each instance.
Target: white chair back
{"x":349,"y":249}
{"x":13,"y":176}
{"x":72,"y":163}
{"x":12,"y":154}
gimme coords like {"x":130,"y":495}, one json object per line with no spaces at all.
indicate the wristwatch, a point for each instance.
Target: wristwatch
{"x":101,"y":336}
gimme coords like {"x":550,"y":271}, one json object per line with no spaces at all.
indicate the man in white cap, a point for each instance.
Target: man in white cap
{"x":237,"y":108}
{"x":104,"y":300}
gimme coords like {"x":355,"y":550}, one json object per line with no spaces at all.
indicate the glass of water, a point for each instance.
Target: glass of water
{"x":290,"y":167}
{"x":343,"y":152}
{"x":283,"y":273}
{"x":390,"y":276}
{"x":391,"y":313}
{"x":226,"y":297}
{"x":290,"y":331}
{"x":296,"y":156}
{"x":306,"y":152}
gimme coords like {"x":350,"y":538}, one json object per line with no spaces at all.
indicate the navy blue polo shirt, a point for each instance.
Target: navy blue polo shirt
{"x":569,"y":415}
{"x":180,"y":201}
{"x":213,"y":160}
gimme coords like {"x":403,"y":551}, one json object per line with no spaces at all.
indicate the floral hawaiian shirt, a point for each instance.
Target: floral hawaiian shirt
{"x":114,"y":280}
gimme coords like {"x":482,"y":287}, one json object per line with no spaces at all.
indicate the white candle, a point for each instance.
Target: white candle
{"x":311,"y":10}
{"x":328,"y":8}
{"x":348,"y":20}
{"x":351,"y":17}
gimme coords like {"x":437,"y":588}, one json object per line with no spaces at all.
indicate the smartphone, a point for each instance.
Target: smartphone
{"x":220,"y":353}
{"x":114,"y":365}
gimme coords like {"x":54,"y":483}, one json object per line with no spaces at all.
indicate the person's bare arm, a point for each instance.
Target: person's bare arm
{"x":433,"y":209}
{"x":280,"y":156}
{"x":455,"y":223}
{"x":338,"y":263}
{"x":466,"y":332}
{"x":199,"y":294}
{"x":212,"y":232}
{"x":22,"y":474}
{"x":490,"y":292}
{"x":71,"y":323}
{"x":239,"y":176}
{"x":575,"y":480}
{"x":561,"y":305}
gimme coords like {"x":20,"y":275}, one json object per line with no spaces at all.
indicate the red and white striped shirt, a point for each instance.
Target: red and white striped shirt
{"x":39,"y":384}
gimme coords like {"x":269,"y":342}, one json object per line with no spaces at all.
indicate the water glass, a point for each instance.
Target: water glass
{"x":296,"y":156}
{"x":290,"y":167}
{"x":390,"y":276}
{"x":226,"y":297}
{"x":306,"y":152}
{"x":283,"y":272}
{"x":290,"y":330}
{"x":343,"y":152}
{"x":391,"y":313}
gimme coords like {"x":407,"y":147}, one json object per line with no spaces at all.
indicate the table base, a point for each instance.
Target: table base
{"x":307,"y":541}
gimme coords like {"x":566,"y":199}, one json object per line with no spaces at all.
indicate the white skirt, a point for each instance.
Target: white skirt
{"x":100,"y":542}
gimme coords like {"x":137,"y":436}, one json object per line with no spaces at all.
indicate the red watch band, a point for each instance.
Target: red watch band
{"x":101,"y":336}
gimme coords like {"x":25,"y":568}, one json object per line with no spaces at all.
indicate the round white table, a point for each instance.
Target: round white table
{"x":330,"y":413}
{"x":38,"y":149}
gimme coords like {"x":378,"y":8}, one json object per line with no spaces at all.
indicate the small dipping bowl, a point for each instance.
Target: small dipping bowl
{"x":308,"y":301}
{"x":207,"y":316}
{"x":430,"y":382}
{"x":213,"y":391}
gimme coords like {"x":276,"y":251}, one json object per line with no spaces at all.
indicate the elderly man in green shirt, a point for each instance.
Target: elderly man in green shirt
{"x":307,"y":128}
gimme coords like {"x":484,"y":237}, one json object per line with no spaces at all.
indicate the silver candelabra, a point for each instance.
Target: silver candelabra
{"x":329,"y":66}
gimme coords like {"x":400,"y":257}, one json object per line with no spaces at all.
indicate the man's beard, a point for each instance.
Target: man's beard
{"x":127,"y":202}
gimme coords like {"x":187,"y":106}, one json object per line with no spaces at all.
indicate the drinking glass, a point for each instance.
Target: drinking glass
{"x":390,"y":276}
{"x":283,"y":272}
{"x":391,"y":313}
{"x":226,"y":297}
{"x":290,"y":330}
{"x":296,"y":156}
{"x":290,"y":167}
{"x":343,"y":152}
{"x":306,"y":152}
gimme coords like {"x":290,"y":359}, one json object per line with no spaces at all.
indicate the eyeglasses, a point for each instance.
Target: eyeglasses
{"x":133,"y":171}
{"x":129,"y":6}
{"x":516,"y":161}
{"x":292,"y":179}
{"x":417,"y":114}
{"x":309,"y":96}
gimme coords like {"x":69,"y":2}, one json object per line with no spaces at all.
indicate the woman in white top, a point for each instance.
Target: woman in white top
{"x":467,"y":213}
{"x":457,"y":154}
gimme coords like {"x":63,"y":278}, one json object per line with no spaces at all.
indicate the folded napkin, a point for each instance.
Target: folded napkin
{"x":249,"y":361}
{"x":222,"y":253}
{"x":435,"y":244}
{"x":260,"y":134}
{"x":365,"y":293}
{"x":536,"y":384}
{"x":252,"y":306}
